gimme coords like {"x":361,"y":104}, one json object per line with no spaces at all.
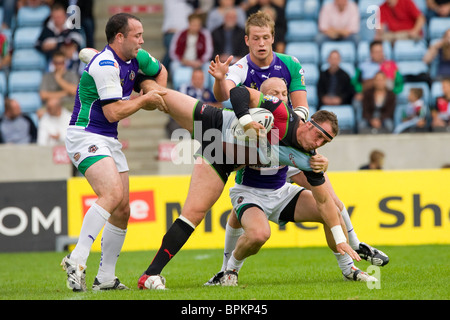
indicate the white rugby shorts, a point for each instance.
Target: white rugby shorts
{"x":85,"y":148}
{"x":271,"y":201}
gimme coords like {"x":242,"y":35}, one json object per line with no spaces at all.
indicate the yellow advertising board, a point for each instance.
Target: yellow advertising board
{"x":386,"y":208}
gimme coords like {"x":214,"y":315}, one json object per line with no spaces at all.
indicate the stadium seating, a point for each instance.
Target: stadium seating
{"x":28,"y":59}
{"x":346,"y":66}
{"x":345,"y":115}
{"x":301,"y":30}
{"x":368,"y":7}
{"x":311,"y":96}
{"x":346,"y":49}
{"x":3,"y":86}
{"x":437,"y":26}
{"x":24,"y":81}
{"x":29,"y":102}
{"x":25,"y":38}
{"x":306,"y":52}
{"x":412,"y":67}
{"x":302,"y":9}
{"x":32,"y":16}
{"x":181,"y":75}
{"x":312,"y":73}
{"x":407,"y":50}
{"x":436,"y":92}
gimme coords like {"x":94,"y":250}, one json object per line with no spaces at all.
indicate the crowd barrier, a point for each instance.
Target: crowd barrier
{"x":386,"y":208}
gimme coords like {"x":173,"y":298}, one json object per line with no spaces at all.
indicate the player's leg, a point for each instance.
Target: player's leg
{"x":107,"y":185}
{"x":205,"y":188}
{"x":257,"y":232}
{"x":112,"y":241}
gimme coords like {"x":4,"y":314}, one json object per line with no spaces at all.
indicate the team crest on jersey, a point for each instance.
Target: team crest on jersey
{"x":271,"y":98}
{"x":132,"y":75}
{"x":203,"y":108}
{"x":240,"y":199}
{"x":92,"y":148}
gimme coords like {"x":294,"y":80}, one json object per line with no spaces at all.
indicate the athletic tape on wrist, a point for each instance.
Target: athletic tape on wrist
{"x":338,"y":234}
{"x":244,"y":120}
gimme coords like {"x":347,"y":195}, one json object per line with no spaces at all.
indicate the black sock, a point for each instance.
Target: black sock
{"x":173,"y":240}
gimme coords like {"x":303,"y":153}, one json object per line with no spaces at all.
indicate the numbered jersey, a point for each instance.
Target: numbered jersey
{"x":107,"y":77}
{"x":245,"y":72}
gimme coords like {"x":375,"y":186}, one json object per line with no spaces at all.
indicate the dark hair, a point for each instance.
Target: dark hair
{"x":118,"y":23}
{"x":322,"y":116}
{"x":374,"y":43}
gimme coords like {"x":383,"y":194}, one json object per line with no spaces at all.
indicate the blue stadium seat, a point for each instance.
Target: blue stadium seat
{"x":3,"y":85}
{"x":25,"y":38}
{"x":29,"y":102}
{"x":366,"y":32}
{"x":363,"y":50}
{"x":346,"y":49}
{"x":402,"y":97}
{"x":311,"y":96}
{"x":436,"y":92}
{"x":28,"y":59}
{"x":407,"y":50}
{"x":302,"y":9}
{"x":346,"y":117}
{"x":421,"y":5}
{"x":437,"y":26}
{"x":305,"y":52}
{"x":368,"y":7}
{"x":412,"y":67}
{"x":181,"y":75}
{"x":301,"y":30}
{"x":23,"y":81}
{"x":312,"y":73}
{"x":32,"y":16}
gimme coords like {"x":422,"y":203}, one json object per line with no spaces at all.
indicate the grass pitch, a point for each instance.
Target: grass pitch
{"x":413,"y":273}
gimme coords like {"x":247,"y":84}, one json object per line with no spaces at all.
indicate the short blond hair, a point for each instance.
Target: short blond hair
{"x":260,"y":19}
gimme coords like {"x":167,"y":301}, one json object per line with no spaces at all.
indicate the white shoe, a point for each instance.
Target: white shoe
{"x":156,"y":282}
{"x":114,"y":284}
{"x":76,"y":274}
{"x":229,"y":279}
{"x":359,"y":275}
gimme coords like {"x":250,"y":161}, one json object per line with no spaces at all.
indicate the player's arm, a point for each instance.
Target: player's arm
{"x":330,"y":216}
{"x":243,"y":98}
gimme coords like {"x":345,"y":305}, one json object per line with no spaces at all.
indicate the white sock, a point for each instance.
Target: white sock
{"x":112,"y":241}
{"x":231,"y":237}
{"x":352,"y":237}
{"x":235,"y":264}
{"x":93,"y":222}
{"x":345,"y":262}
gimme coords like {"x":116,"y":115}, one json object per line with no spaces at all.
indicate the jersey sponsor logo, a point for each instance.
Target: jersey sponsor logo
{"x":108,"y":63}
{"x":271,"y":98}
{"x":239,"y":66}
{"x":76,"y":156}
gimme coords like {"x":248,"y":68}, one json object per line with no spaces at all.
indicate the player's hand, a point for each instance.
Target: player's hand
{"x":318,"y":163}
{"x":254,"y":130}
{"x":155,"y":100}
{"x":344,"y":248}
{"x":218,"y":69}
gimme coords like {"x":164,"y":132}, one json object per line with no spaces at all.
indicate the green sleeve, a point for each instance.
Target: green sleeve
{"x":356,"y":81}
{"x":398,"y":83}
{"x":296,"y":72}
{"x":147,"y":64}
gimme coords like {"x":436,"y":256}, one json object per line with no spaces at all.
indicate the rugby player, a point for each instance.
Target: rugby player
{"x":255,"y":206}
{"x":252,"y":70}
{"x":102,"y":100}
{"x":297,"y":142}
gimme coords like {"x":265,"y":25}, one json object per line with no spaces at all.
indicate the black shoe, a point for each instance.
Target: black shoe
{"x":373,"y":255}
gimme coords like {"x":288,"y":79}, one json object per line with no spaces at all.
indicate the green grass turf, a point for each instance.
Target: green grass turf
{"x":414,"y":273}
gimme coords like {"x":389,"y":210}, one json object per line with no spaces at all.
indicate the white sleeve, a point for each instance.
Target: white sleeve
{"x":106,"y":75}
{"x":238,"y":72}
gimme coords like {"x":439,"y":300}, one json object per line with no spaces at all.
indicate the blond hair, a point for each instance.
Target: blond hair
{"x":260,"y":19}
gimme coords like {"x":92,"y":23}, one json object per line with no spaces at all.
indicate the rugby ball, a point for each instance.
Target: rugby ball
{"x":260,"y":115}
{"x":86,"y":54}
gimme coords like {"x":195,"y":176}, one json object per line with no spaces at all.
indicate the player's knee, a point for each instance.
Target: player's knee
{"x":259,"y":237}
